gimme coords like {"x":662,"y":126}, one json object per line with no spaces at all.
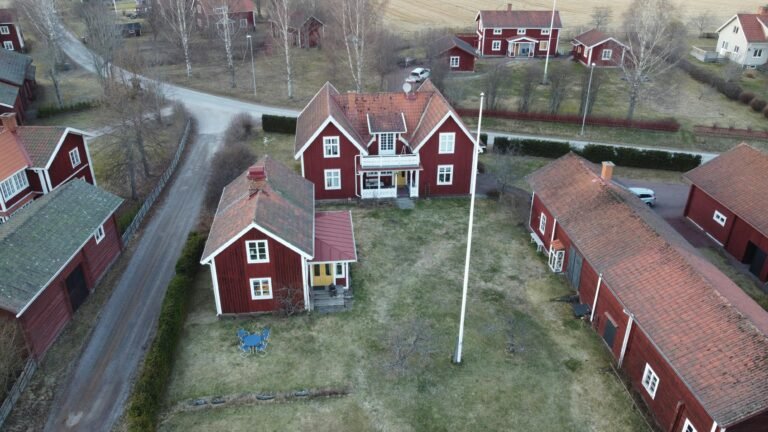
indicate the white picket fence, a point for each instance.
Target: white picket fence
{"x":18,"y":387}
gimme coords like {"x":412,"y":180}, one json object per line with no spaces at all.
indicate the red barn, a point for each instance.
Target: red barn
{"x":727,"y":201}
{"x":515,"y":33}
{"x":693,"y":345}
{"x":596,"y":47}
{"x":240,"y":13}
{"x":51,"y":257}
{"x":455,"y":53}
{"x":17,"y":83}
{"x":11,"y":36}
{"x":37,"y":160}
{"x":268,"y":249}
{"x":384,"y":145}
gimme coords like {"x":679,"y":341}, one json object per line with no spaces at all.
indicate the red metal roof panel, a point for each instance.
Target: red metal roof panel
{"x":334,"y":237}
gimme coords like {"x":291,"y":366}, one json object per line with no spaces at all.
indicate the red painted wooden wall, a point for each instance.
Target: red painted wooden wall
{"x":461,"y":159}
{"x":315,"y":164}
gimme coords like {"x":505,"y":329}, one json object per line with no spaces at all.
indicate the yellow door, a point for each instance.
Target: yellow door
{"x":401,"y":178}
{"x":322,"y":274}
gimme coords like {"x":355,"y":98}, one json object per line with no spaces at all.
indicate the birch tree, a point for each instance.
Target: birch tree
{"x":359,"y":19}
{"x":41,"y":15}
{"x":178,"y":16}
{"x":103,"y":36}
{"x":280,"y":12}
{"x":226,"y":29}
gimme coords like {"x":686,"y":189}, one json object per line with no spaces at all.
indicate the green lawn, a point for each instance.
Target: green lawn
{"x":409,"y":276}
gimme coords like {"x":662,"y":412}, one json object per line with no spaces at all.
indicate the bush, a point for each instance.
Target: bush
{"x":501,"y":144}
{"x":732,"y":91}
{"x":148,"y":393}
{"x":758,"y":104}
{"x":280,"y":124}
{"x":542,"y":148}
{"x":481,"y":167}
{"x":52,"y":110}
{"x":632,"y":157}
{"x":228,"y":163}
{"x":746,"y":97}
{"x":484,"y":138}
{"x":241,"y":128}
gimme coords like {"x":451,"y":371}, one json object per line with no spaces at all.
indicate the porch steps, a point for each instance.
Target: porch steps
{"x":405,"y":203}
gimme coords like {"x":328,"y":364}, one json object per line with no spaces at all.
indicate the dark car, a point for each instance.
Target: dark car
{"x":132,"y":29}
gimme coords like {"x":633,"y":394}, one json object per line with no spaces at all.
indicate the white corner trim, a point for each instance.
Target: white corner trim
{"x":216,"y":294}
{"x":64,"y":135}
{"x":458,"y":121}
{"x":597,"y":293}
{"x":329,"y":120}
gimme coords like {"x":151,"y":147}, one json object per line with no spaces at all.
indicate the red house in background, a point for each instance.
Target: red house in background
{"x":17,"y":83}
{"x":692,"y":343}
{"x":727,"y":201}
{"x":52,"y":256}
{"x":384,"y":145}
{"x":306,"y":31}
{"x":596,"y":47}
{"x":36,"y":160}
{"x":514,"y":33}
{"x":268,"y":249}
{"x":241,"y":13}
{"x":455,"y":52}
{"x":11,"y":37}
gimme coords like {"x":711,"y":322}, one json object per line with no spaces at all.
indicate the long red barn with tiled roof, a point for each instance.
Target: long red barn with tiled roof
{"x":727,"y":201}
{"x":692,"y":343}
{"x":384,"y":145}
{"x":518,"y":33}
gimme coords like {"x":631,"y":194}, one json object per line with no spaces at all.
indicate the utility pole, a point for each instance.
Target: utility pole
{"x":549,"y":41}
{"x":586,"y":98}
{"x":253,"y":69}
{"x":472,"y":186}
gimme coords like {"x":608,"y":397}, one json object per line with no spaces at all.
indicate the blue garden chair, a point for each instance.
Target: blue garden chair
{"x":241,"y":334}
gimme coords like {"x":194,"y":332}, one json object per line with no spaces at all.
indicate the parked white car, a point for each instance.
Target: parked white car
{"x":646,"y":195}
{"x":418,"y":75}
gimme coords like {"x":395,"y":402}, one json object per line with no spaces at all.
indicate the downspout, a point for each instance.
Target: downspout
{"x":597,"y":293}
{"x":530,"y":214}
{"x":626,"y":336}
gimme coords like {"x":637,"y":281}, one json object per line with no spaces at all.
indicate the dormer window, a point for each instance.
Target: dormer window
{"x":387,"y":143}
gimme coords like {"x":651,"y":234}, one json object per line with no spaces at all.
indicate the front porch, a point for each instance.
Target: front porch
{"x":389,"y":184}
{"x":325,"y":300}
{"x":521,"y":47}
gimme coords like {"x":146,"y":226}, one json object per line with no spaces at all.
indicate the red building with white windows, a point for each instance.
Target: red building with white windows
{"x":11,"y":36}
{"x":457,"y":54}
{"x":693,"y":345}
{"x":268,"y":246}
{"x":384,"y":145}
{"x":595,"y":47}
{"x":727,"y":201}
{"x":240,"y":13}
{"x":17,"y":83}
{"x":514,"y":33}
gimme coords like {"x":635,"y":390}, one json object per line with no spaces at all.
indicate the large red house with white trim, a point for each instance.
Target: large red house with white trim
{"x":384,"y":145}
{"x":596,"y":47}
{"x":515,"y":33}
{"x":268,"y":246}
{"x":693,"y":345}
{"x":727,"y":201}
{"x":36,"y":160}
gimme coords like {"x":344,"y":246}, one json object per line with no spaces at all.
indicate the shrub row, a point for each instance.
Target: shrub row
{"x":530,"y":147}
{"x":731,"y":90}
{"x":664,"y":125}
{"x":280,"y":124}
{"x":149,"y":391}
{"x":52,"y":110}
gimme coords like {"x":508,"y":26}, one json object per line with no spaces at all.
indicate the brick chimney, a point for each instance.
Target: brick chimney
{"x":509,"y":6}
{"x":257,"y":175}
{"x":607,"y":171}
{"x":9,"y":121}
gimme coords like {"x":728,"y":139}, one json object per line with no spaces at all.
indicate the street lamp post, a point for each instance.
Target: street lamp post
{"x":586,"y":99}
{"x":253,"y":69}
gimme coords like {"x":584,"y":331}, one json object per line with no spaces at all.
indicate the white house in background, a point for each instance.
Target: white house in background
{"x":744,"y":38}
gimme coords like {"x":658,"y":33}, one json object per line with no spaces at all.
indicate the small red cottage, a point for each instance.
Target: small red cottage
{"x":515,"y":33}
{"x":693,"y":345}
{"x":727,"y":201}
{"x":11,"y":37}
{"x":457,"y":54}
{"x":596,"y":47}
{"x":52,"y":256}
{"x":36,"y":160}
{"x":17,"y":83}
{"x":241,"y":13}
{"x":268,"y":249}
{"x":384,"y":145}
{"x":306,"y":31}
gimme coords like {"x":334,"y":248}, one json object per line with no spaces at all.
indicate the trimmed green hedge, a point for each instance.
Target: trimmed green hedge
{"x":280,"y":124}
{"x":52,"y":110}
{"x":149,"y":391}
{"x":531,"y":147}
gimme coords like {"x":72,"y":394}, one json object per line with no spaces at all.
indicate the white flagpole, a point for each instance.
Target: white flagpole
{"x":549,"y":40}
{"x":460,"y":341}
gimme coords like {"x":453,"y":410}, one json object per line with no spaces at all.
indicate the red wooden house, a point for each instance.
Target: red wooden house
{"x":36,"y":160}
{"x":693,"y":345}
{"x":268,"y":246}
{"x":596,"y":47}
{"x":11,"y":36}
{"x":17,"y":83}
{"x":384,"y":145}
{"x":306,"y":31}
{"x":240,"y":13}
{"x":727,"y":201}
{"x":456,"y":53}
{"x":515,"y":33}
{"x":52,"y":256}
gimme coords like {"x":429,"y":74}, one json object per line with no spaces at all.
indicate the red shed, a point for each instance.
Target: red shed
{"x":52,"y":255}
{"x":241,"y":13}
{"x":457,"y":54}
{"x":516,"y":33}
{"x":11,"y":36}
{"x":727,"y":201}
{"x":691,"y":342}
{"x":596,"y":47}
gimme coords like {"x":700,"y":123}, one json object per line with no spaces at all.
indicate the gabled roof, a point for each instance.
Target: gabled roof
{"x":386,"y":122}
{"x":38,"y":242}
{"x":283,"y":205}
{"x":14,"y":67}
{"x":8,"y":94}
{"x":519,"y":19}
{"x":334,"y":237}
{"x":707,"y":329}
{"x":8,"y":16}
{"x":751,"y":25}
{"x":14,"y":157}
{"x":41,"y":142}
{"x":591,"y":38}
{"x":738,"y":180}
{"x":448,"y":42}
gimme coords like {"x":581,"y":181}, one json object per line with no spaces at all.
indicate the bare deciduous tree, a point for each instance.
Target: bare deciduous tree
{"x":103,"y":37}
{"x":227,"y":31}
{"x":178,"y":16}
{"x":386,"y":44}
{"x":504,"y":169}
{"x":280,"y":12}
{"x":289,"y":301}
{"x":601,"y":15}
{"x":702,"y":22}
{"x":41,"y":15}
{"x":493,"y":82}
{"x":258,"y":9}
{"x":527,"y":87}
{"x":558,"y":86}
{"x":359,"y":19}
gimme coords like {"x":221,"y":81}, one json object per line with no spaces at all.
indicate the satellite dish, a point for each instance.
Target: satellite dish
{"x":407,"y":87}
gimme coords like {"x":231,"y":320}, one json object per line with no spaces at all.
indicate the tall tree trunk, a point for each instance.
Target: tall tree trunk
{"x":142,"y":149}
{"x":633,"y":97}
{"x":131,"y":167}
{"x":187,"y":61}
{"x":258,"y":8}
{"x":55,"y":80}
{"x":288,"y":71}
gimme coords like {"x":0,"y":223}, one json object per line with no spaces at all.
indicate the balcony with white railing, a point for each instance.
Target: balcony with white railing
{"x":390,"y":161}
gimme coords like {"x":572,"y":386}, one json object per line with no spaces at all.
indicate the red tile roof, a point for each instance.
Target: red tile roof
{"x":8,"y":16}
{"x":13,"y":157}
{"x":752,"y":26}
{"x":40,"y":142}
{"x":593,"y":37}
{"x":709,"y":331}
{"x":519,"y":19}
{"x":334,"y":238}
{"x":738,"y":180}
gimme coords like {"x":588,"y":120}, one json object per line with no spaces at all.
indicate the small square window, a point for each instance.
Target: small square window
{"x":261,"y":288}
{"x":607,"y":54}
{"x":720,"y":218}
{"x":447,"y":143}
{"x":543,"y":223}
{"x":544,"y":32}
{"x":455,"y":61}
{"x":735,"y":48}
{"x":543,"y":45}
{"x":4,"y":30}
{"x":758,"y":52}
{"x":688,"y":427}
{"x":74,"y":157}
{"x":521,"y":31}
{"x":496,"y":45}
{"x":99,"y":234}
{"x":8,"y":45}
{"x":650,"y":381}
{"x":444,"y":174}
{"x":331,"y":147}
{"x":332,"y":179}
{"x":258,"y":251}
{"x":243,"y":23}
{"x":497,"y":31}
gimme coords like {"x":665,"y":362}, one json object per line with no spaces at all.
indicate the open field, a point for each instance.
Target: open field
{"x":410,"y":273}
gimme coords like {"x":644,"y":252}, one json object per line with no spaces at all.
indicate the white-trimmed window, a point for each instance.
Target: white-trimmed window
{"x":387,"y":143}
{"x":4,"y":30}
{"x":545,"y":32}
{"x":720,"y":218}
{"x":542,"y":223}
{"x":735,"y":48}
{"x":650,"y":381}
{"x":543,"y":45}
{"x":8,"y":45}
{"x":332,"y":179}
{"x":496,"y":46}
{"x":447,"y":142}
{"x":520,"y":31}
{"x":99,"y":234}
{"x":261,"y":288}
{"x":74,"y":157}
{"x":331,"y":147}
{"x":444,"y":174}
{"x":14,"y":185}
{"x":339,"y":270}
{"x":735,"y":29}
{"x":607,"y":54}
{"x":688,"y":426}
{"x":455,"y":61}
{"x":243,"y":23}
{"x":257,"y":251}
{"x":497,"y":31}
{"x":758,"y":52}
{"x":220,"y":10}
{"x":725,"y":45}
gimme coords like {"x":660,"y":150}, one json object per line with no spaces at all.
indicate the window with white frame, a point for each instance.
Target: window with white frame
{"x":261,"y":288}
{"x":447,"y":142}
{"x":4,"y":30}
{"x":220,"y":10}
{"x":444,"y":174}
{"x":497,"y":31}
{"x":542,"y":223}
{"x":758,"y":52}
{"x":339,"y":270}
{"x":455,"y":61}
{"x":99,"y":234}
{"x":720,"y":218}
{"x":735,"y":29}
{"x":520,"y":31}
{"x":556,"y":260}
{"x":387,"y":143}
{"x":74,"y":157}
{"x":688,"y":426}
{"x":496,"y":45}
{"x":8,"y":45}
{"x":14,"y":185}
{"x":332,"y":179}
{"x":725,"y":45}
{"x":331,"y":147}
{"x":735,"y":48}
{"x":650,"y":381}
{"x":607,"y":54}
{"x":544,"y":32}
{"x":257,"y":250}
{"x":543,"y":45}
{"x":243,"y":23}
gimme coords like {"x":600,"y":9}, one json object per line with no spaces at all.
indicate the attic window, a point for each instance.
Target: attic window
{"x":735,"y":29}
{"x":99,"y":234}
